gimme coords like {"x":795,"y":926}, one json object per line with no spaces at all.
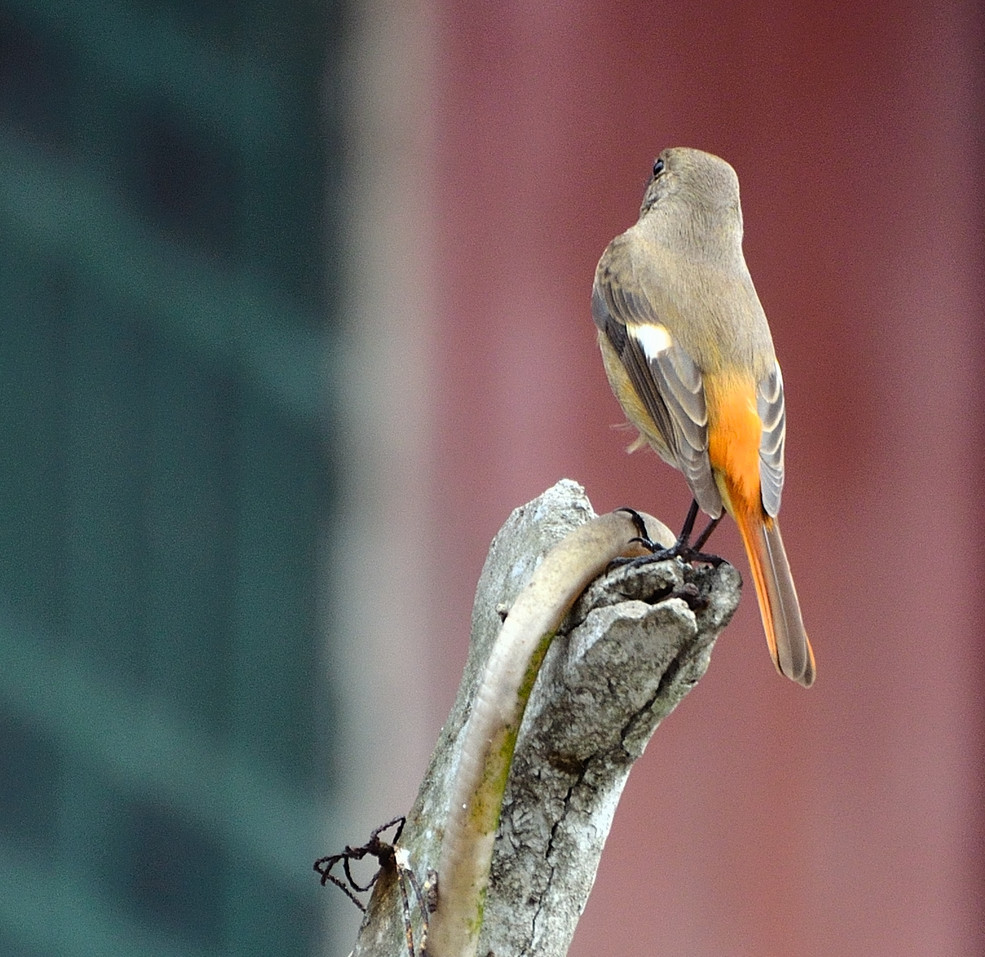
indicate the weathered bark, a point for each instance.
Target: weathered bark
{"x":634,"y":644}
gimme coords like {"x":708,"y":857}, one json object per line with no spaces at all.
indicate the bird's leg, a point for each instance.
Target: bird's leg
{"x":685,"y":536}
{"x":706,"y":534}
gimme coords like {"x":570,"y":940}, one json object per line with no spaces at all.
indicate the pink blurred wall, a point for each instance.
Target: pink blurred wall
{"x":764,"y":819}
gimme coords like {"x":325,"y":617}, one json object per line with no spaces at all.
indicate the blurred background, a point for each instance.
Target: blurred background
{"x":294,"y":309}
{"x":169,"y":296}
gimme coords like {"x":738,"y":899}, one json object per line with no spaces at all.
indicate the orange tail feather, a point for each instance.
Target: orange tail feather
{"x":778,"y":604}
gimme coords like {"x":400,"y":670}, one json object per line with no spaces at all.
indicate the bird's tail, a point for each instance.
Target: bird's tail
{"x":778,"y":604}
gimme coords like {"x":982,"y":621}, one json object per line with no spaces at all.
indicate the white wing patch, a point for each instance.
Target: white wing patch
{"x":652,"y":337}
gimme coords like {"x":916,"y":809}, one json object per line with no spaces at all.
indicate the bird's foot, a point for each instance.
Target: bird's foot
{"x":681,"y":549}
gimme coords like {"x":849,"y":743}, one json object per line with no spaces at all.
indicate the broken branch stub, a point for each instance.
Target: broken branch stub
{"x":634,"y":644}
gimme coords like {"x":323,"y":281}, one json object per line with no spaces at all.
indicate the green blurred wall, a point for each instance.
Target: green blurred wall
{"x":169,"y":190}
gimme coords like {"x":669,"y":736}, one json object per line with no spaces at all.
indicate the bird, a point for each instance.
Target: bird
{"x":688,"y":353}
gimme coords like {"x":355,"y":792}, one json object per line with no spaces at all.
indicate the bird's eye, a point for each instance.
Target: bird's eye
{"x":658,"y":167}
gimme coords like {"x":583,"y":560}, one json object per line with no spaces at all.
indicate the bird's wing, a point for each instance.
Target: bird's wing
{"x":769,"y":405}
{"x":665,"y":378}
